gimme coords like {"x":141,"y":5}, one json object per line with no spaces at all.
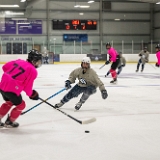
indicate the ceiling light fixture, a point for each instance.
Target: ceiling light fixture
{"x":158,"y":3}
{"x":90,"y":1}
{"x":81,"y":14}
{"x":84,"y":6}
{"x":22,"y":0}
{"x":76,"y":6}
{"x":7,"y":6}
{"x":117,"y":19}
{"x":13,"y":13}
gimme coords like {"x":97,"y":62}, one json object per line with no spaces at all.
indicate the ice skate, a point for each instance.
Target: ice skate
{"x":58,"y":105}
{"x":78,"y":105}
{"x":114,"y":81}
{"x":9,"y":124}
{"x":1,"y":124}
{"x":137,"y":70}
{"x":142,"y":70}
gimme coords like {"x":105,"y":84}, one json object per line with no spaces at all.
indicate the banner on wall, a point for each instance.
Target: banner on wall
{"x":97,"y":57}
{"x":75,"y":37}
{"x":29,"y":27}
{"x":7,"y":26}
{"x":7,"y":38}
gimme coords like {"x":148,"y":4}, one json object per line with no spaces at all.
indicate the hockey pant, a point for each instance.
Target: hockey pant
{"x":77,"y":90}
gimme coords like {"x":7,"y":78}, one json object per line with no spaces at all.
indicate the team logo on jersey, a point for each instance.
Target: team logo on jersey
{"x":83,"y":81}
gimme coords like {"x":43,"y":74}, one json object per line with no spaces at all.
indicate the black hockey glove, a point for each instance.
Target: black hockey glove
{"x":104,"y":94}
{"x":140,"y":55}
{"x":157,"y":65}
{"x":34,"y":96}
{"x":107,"y":62}
{"x":67,"y":84}
{"x":123,"y":65}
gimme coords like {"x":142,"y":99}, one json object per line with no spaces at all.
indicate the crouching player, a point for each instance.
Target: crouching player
{"x":88,"y":82}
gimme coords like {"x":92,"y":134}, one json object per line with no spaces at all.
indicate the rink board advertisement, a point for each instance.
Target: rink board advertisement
{"x":75,"y":37}
{"x":97,"y":57}
{"x":30,"y":27}
{"x":7,"y":26}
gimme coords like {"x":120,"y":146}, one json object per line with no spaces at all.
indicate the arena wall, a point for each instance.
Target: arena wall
{"x":72,"y":58}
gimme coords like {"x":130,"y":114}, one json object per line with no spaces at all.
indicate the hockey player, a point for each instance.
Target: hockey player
{"x":88,"y":82}
{"x":120,"y":66}
{"x":18,"y":76}
{"x":158,"y":55}
{"x":46,"y":58}
{"x":144,"y":55}
{"x":115,"y":59}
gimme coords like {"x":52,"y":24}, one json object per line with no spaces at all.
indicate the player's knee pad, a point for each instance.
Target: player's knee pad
{"x":9,"y":103}
{"x":90,"y":90}
{"x":21,"y":106}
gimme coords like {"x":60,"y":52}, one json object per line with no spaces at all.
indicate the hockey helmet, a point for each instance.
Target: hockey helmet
{"x":158,"y":46}
{"x":35,"y":58}
{"x":86,"y":60}
{"x":108,"y":44}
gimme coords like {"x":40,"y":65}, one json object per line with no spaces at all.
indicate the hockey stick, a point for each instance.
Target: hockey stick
{"x":79,"y":121}
{"x":102,"y":66}
{"x":43,"y":101}
{"x":152,"y":66}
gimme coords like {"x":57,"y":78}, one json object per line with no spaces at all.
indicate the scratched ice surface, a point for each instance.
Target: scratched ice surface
{"x":127,"y":126}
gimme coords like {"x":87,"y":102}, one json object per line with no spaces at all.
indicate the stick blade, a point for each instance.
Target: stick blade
{"x":89,"y":121}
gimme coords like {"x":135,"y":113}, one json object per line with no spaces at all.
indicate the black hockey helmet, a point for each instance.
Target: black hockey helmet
{"x":35,"y":58}
{"x":108,"y":44}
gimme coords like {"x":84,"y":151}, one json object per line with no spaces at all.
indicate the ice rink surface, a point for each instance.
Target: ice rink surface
{"x":127,"y":126}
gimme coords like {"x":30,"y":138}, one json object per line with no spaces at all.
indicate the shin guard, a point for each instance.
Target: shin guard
{"x":5,"y":107}
{"x":15,"y":113}
{"x":113,"y":73}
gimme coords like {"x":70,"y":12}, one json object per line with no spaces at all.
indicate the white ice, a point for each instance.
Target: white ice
{"x":127,"y":126}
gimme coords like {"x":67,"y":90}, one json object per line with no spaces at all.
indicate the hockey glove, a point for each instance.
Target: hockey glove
{"x":123,"y":65}
{"x":157,"y":65}
{"x":140,"y":55}
{"x":107,"y":62}
{"x":104,"y":94}
{"x":34,"y":96}
{"x":67,"y":84}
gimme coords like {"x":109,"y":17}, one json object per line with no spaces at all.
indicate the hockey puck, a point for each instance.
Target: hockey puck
{"x":86,"y":131}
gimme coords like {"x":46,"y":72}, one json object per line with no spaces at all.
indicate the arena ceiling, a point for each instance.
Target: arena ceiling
{"x":23,"y":5}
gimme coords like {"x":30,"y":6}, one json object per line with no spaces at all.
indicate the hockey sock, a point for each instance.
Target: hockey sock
{"x":5,"y":107}
{"x":17,"y":111}
{"x":113,"y":73}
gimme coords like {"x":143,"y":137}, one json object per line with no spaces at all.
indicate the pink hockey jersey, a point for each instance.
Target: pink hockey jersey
{"x":112,"y":54}
{"x":158,"y":57}
{"x":18,"y":76}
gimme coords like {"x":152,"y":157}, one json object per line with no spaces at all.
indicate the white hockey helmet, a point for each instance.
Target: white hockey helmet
{"x":86,"y":60}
